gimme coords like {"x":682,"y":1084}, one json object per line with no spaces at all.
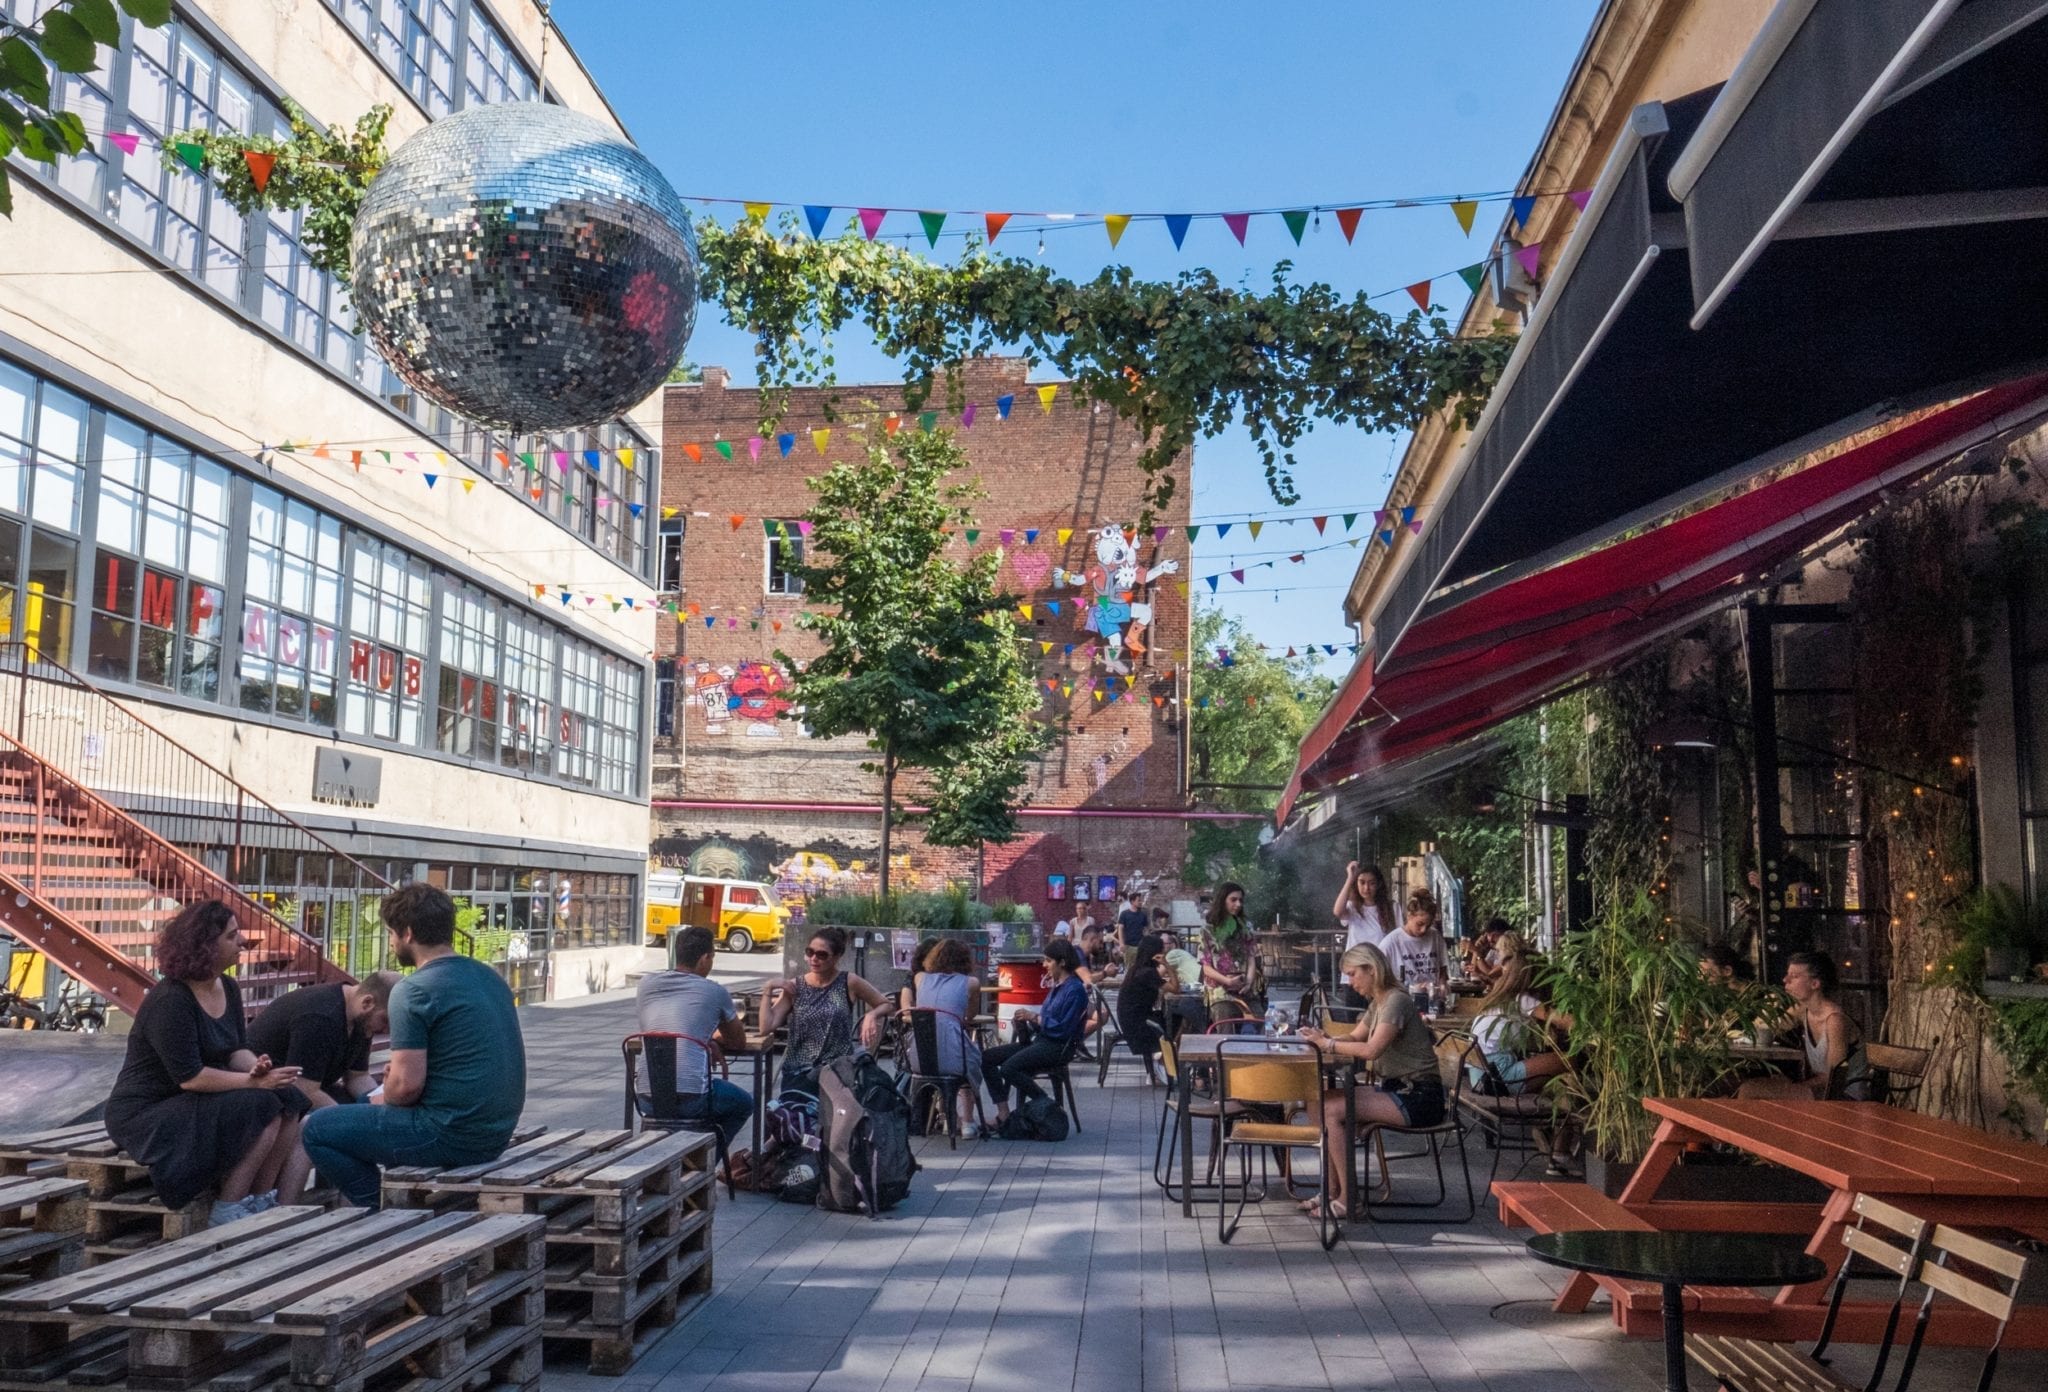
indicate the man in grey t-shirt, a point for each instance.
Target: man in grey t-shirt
{"x":688,"y":1002}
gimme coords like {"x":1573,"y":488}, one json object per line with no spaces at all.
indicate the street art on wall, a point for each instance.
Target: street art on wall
{"x":748,"y":696}
{"x":1110,"y":608}
{"x":799,"y":874}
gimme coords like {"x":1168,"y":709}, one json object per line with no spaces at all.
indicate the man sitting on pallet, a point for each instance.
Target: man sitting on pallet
{"x":325,"y":1033}
{"x":457,"y":1078}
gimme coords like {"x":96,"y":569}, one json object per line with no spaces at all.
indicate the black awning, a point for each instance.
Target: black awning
{"x":1617,"y":409}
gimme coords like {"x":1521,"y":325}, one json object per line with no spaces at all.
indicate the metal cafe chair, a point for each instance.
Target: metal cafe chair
{"x":1271,"y":1073}
{"x":1900,"y":1070}
{"x":661,"y":1107}
{"x":1202,"y":1106}
{"x":1439,"y":1136}
{"x":923,"y":1028}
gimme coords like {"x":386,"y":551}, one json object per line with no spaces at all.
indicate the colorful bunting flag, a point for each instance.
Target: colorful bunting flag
{"x":1297,"y":222}
{"x":1003,"y":404}
{"x":1030,"y":535}
{"x":1347,"y":222}
{"x":123,"y":141}
{"x":785,"y":442}
{"x":194,"y":156}
{"x":1045,"y":395}
{"x":1473,"y":275}
{"x":933,"y":223}
{"x":735,"y":519}
{"x":1419,"y":292}
{"x":724,"y":448}
{"x":1007,"y":535}
{"x":696,"y":453}
{"x":1238,"y":576}
{"x":1530,"y":257}
{"x":967,"y":416}
{"x":754,"y":447}
{"x":820,"y":439}
{"x":1349,"y":518}
{"x":1520,"y":207}
{"x":1464,"y":210}
{"x":1580,"y":198}
{"x":1223,"y":529}
{"x":1254,"y":528}
{"x":817,"y":217}
{"x":994,"y":223}
{"x":871,"y":221}
{"x":1177,"y":227}
{"x":1237,"y":223}
{"x":1116,"y":223}
{"x":1192,"y":532}
{"x":758,"y":211}
{"x":260,"y":164}
{"x":928,"y":421}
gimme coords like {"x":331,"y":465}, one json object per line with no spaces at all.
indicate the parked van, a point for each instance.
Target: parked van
{"x":741,"y":914}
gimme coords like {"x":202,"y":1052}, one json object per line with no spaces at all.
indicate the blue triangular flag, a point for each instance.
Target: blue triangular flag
{"x":1030,"y":535}
{"x":1407,"y":515}
{"x":816,"y":216}
{"x":1053,"y":605}
{"x":1522,"y":207}
{"x":1070,"y":650}
{"x":1177,"y":227}
{"x":785,"y":443}
{"x":1330,"y":648}
{"x":710,"y":621}
{"x":565,"y":597}
{"x":432,"y":479}
{"x":635,"y":509}
{"x":1212,"y":579}
{"x":592,"y":458}
{"x":629,"y":601}
{"x":1223,"y":529}
{"x":1003,"y":406}
{"x":1387,"y":537}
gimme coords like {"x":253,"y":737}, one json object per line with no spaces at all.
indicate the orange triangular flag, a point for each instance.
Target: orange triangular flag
{"x":1419,"y":291}
{"x":696,"y":453}
{"x":1347,"y":220}
{"x":1465,"y":209}
{"x":994,"y":223}
{"x":536,"y":495}
{"x":892,"y":425}
{"x":735,"y":519}
{"x":260,"y":165}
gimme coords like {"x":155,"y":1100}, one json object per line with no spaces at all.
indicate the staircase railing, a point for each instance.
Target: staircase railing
{"x":110,"y":781}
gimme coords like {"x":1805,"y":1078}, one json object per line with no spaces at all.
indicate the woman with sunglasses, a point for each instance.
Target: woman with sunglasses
{"x":818,"y":1007}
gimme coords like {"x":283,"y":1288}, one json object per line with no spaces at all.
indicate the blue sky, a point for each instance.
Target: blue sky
{"x":1116,"y":106}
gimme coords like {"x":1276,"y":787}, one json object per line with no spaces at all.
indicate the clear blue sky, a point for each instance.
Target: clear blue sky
{"x":1108,"y":106}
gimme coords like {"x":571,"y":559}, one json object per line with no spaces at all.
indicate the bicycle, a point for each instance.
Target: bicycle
{"x":76,"y":1011}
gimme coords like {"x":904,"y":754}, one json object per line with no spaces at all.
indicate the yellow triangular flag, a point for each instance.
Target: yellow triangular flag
{"x":1116,"y":223}
{"x":626,"y":458}
{"x":468,"y":484}
{"x":670,"y":511}
{"x":1064,"y":533}
{"x":440,"y":459}
{"x":1465,"y":209}
{"x":1253,"y":528}
{"x":1066,"y":691}
{"x":1025,"y":611}
{"x":1045,"y":649}
{"x":1183,"y":586}
{"x":758,"y":211}
{"x":1045,"y":395}
{"x":1098,"y":693}
{"x":820,"y":439}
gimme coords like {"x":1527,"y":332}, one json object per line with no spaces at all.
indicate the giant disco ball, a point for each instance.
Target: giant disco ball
{"x":526,"y":267}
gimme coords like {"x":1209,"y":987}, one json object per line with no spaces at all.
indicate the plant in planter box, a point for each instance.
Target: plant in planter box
{"x":1998,"y":938}
{"x":1644,"y":1022}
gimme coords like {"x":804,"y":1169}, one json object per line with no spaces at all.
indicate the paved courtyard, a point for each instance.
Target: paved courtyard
{"x":1018,"y":1267}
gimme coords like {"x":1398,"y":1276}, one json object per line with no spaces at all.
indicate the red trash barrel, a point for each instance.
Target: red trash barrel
{"x":1020,"y":985}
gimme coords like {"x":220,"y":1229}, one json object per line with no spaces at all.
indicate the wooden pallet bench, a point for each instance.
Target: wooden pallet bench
{"x":1548,"y":1206}
{"x":298,"y":1297}
{"x":42,"y":1228}
{"x":628,"y":1227}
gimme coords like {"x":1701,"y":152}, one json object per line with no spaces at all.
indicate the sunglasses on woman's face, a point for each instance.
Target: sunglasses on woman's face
{"x":818,"y":954}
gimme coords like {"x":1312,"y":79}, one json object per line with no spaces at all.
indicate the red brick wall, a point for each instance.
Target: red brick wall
{"x":1074,"y":467}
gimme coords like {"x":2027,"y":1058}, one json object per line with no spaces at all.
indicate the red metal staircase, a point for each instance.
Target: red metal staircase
{"x":108,"y":827}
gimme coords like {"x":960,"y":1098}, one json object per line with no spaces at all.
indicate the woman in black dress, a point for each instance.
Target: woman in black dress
{"x":192,"y":1102}
{"x":1137,"y":1004}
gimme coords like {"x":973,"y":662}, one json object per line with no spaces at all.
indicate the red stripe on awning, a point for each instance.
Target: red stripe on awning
{"x":1478,"y":663}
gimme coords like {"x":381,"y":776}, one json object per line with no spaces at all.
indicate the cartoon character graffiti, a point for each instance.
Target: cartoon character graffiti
{"x":1114,"y":577}
{"x":756,"y":698}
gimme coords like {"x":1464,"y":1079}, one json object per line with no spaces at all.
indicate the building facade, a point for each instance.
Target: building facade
{"x":218,"y":505}
{"x":742,"y":791}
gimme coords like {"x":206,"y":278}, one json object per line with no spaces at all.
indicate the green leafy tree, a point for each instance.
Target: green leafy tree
{"x":1251,"y":712}
{"x":922,"y":655}
{"x":68,"y":38}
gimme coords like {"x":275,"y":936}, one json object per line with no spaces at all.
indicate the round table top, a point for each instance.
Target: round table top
{"x":1682,"y":1258}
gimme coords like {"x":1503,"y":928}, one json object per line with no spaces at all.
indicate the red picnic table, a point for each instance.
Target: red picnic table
{"x":1940,"y":1170}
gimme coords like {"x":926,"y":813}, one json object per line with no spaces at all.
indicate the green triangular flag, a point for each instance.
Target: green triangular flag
{"x":1296,"y":221}
{"x":771,"y":526}
{"x":527,"y":460}
{"x":928,"y":421}
{"x":932,"y":223}
{"x":193,"y":155}
{"x":1349,"y":518}
{"x":973,"y":535}
{"x":1193,"y":532}
{"x":724,"y":447}
{"x":1473,"y":275}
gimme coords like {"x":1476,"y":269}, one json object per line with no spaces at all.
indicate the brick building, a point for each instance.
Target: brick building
{"x":741,"y":790}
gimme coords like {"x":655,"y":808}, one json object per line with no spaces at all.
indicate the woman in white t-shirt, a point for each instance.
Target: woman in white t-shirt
{"x":1365,"y":911}
{"x":1416,"y":948}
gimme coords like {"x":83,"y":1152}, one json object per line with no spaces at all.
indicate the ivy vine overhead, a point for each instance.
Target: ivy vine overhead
{"x":1178,"y":359}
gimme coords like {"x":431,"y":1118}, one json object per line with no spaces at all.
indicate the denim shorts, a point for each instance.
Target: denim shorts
{"x":1421,"y":1100}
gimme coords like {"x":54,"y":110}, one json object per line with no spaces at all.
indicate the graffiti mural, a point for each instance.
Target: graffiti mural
{"x":749,"y":696}
{"x":799,"y":874}
{"x":1112,"y":579}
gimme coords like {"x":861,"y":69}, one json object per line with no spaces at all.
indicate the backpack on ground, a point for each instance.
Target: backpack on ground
{"x":864,"y":1124}
{"x":1036,"y":1119}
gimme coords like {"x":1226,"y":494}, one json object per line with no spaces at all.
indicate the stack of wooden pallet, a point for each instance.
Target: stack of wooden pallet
{"x":294,"y":1298}
{"x":122,"y":1214}
{"x":42,"y":1228}
{"x":628,"y":1227}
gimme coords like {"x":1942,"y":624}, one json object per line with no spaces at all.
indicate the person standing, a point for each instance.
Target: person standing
{"x":689,"y":1003}
{"x":325,"y":1033}
{"x":1416,"y":948}
{"x":1365,"y":910}
{"x":1226,"y":955}
{"x":192,"y":1103}
{"x":1132,"y":924}
{"x":457,"y":1078}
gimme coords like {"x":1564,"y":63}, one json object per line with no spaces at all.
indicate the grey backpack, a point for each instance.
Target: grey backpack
{"x":865,"y":1126}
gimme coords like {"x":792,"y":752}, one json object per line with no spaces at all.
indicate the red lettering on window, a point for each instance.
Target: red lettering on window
{"x":387,"y":668}
{"x":412,"y":676}
{"x":563,"y":732}
{"x":359,"y":661}
{"x":159,"y":599}
{"x":490,"y":701}
{"x":466,"y":695}
{"x":202,"y":612}
{"x":323,"y":648}
{"x":256,"y":630}
{"x":291,"y":640}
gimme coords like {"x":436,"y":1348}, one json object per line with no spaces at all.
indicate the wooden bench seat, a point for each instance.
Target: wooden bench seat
{"x":1762,"y":1367}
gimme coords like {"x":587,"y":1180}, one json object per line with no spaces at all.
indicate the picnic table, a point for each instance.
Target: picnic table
{"x":1940,"y":1170}
{"x":295,"y":1297}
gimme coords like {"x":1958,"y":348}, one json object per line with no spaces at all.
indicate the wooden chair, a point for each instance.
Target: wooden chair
{"x":1900,"y":1069}
{"x":1272,"y":1073}
{"x":1202,"y":1106}
{"x":1451,"y":1065}
{"x":918,"y":1063}
{"x":662,"y":1106}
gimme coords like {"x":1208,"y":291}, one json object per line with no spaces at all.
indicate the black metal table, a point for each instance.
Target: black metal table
{"x":1675,"y":1260}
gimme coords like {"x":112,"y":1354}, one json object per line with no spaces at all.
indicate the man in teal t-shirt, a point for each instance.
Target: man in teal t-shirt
{"x":457,"y":1078}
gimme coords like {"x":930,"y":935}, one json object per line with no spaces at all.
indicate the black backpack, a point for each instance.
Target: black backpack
{"x":1036,"y":1119}
{"x":864,"y":1124}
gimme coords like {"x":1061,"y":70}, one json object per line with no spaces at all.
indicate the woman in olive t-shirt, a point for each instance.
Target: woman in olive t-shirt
{"x":1391,"y":1034}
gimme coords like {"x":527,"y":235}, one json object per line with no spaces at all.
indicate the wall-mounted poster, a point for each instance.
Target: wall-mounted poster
{"x":1105,"y":888}
{"x":1081,"y":885}
{"x":1055,"y":886}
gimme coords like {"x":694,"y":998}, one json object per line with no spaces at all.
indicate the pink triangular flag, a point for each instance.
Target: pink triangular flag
{"x":1237,"y":222}
{"x":754,"y":447}
{"x":1416,"y":526}
{"x":124,"y":140}
{"x":871,"y":220}
{"x":803,"y":528}
{"x":1580,"y":198}
{"x":1530,"y":257}
{"x":967,"y":417}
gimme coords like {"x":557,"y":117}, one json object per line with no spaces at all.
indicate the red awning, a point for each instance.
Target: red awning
{"x":1475,"y":664}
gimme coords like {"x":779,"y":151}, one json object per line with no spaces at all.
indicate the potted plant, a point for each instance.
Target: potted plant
{"x":1998,"y":938}
{"x":1644,"y":1023}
